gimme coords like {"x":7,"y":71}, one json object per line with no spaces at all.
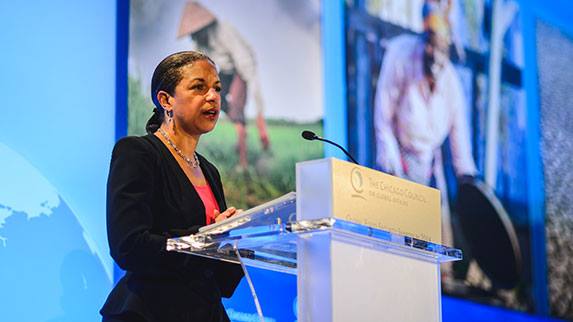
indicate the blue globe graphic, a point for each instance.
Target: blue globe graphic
{"x":48,"y":271}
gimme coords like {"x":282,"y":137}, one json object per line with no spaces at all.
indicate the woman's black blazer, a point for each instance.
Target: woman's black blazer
{"x":150,"y":199}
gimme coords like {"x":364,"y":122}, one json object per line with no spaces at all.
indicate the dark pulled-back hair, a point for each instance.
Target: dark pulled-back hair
{"x":166,"y":77}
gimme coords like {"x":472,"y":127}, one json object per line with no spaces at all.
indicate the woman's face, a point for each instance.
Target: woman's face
{"x":196,"y":101}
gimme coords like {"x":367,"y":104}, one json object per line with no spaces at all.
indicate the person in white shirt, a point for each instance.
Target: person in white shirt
{"x":419,"y":103}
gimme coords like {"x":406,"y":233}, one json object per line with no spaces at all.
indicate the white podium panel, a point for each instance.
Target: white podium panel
{"x":339,"y":280}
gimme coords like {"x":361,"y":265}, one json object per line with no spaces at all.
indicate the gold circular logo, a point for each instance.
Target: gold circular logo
{"x":356,"y":180}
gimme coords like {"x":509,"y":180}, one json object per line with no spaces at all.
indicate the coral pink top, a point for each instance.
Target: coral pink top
{"x":209,"y":201}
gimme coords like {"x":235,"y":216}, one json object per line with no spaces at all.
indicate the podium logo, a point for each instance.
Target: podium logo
{"x":357,"y":182}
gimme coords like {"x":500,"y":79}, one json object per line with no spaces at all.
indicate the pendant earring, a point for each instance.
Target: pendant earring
{"x":170,"y":114}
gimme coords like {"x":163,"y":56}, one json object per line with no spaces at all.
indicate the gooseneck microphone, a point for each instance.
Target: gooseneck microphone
{"x":311,"y":136}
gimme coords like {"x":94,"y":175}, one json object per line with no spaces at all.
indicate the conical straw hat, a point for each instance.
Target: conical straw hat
{"x":194,"y":18}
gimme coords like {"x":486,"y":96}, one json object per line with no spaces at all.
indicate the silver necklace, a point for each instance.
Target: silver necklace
{"x":193,"y":163}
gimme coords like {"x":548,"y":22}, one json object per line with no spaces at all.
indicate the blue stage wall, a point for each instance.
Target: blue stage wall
{"x":58,"y":74}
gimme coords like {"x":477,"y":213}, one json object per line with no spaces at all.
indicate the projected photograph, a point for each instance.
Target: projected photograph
{"x":269,"y":59}
{"x":435,"y":96}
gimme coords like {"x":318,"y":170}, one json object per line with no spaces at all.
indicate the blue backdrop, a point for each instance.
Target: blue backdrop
{"x":56,"y":132}
{"x":58,"y":125}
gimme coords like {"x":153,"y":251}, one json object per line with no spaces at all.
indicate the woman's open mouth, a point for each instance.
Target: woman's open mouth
{"x":212,"y":113}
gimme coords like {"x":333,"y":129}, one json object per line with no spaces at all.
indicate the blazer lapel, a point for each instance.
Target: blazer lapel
{"x":187,"y":198}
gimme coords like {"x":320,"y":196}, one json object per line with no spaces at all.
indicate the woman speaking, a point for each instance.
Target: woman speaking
{"x":159,"y":187}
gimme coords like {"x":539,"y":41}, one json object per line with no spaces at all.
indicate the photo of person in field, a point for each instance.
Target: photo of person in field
{"x":237,"y":69}
{"x":419,"y":104}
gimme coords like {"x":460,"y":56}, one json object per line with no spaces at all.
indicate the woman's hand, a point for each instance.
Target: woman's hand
{"x":225,"y":214}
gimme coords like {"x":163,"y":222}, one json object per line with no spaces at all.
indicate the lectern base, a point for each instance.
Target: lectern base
{"x":341,"y":281}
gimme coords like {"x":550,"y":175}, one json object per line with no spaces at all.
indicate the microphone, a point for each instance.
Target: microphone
{"x":308,"y":135}
{"x":311,"y":136}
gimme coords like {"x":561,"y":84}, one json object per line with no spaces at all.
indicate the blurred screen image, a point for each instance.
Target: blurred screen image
{"x":436,"y":96}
